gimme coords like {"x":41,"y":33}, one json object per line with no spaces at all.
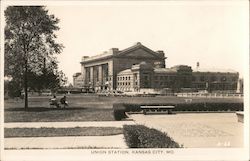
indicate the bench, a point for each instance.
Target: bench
{"x":157,"y":109}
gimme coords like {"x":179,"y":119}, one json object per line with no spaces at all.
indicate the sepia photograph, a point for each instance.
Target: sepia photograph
{"x":142,"y":80}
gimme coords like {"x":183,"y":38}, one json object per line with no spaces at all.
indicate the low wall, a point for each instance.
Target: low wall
{"x":210,"y":95}
{"x":240,"y":116}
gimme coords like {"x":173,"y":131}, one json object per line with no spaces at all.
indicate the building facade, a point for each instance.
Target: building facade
{"x":100,"y":72}
{"x":215,"y":80}
{"x":78,"y":80}
{"x":139,"y":68}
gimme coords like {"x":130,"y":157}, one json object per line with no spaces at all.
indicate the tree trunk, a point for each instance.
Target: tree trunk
{"x":26,"y":85}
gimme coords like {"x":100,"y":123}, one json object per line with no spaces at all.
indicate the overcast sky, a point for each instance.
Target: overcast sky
{"x":214,"y":34}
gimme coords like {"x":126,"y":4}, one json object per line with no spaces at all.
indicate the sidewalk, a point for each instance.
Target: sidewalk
{"x":69,"y":142}
{"x":68,"y":124}
{"x":198,"y":130}
{"x":114,"y":141}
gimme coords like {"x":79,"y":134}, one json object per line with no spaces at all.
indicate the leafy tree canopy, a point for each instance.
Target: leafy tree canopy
{"x":29,"y":36}
{"x":29,"y":40}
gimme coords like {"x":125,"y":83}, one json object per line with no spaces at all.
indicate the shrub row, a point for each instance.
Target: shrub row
{"x":139,"y":136}
{"x":121,"y":108}
{"x":219,"y":106}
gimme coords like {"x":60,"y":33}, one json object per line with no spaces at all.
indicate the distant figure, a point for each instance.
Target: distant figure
{"x":54,"y":101}
{"x":64,"y":101}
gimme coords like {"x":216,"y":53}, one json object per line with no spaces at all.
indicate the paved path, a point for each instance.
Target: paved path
{"x":202,"y":130}
{"x":114,"y":141}
{"x":68,"y":124}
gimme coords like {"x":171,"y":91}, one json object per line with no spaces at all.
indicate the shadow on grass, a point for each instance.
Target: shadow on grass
{"x":42,"y":109}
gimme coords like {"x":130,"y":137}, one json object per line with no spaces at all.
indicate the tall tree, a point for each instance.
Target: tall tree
{"x":29,"y":39}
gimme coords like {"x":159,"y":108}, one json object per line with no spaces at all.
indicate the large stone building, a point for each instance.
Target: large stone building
{"x":139,"y":68}
{"x":100,"y":72}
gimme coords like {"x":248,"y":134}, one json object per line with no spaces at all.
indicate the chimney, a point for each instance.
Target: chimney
{"x":84,"y":58}
{"x":113,"y":50}
{"x":161,"y":53}
{"x":197,"y":65}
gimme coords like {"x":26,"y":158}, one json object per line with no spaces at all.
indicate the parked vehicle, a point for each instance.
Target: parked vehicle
{"x":46,"y":93}
{"x":111,"y":93}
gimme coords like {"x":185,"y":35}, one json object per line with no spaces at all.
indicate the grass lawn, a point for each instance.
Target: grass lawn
{"x":84,"y":107}
{"x":57,"y":115}
{"x":53,"y":132}
{"x":93,"y":101}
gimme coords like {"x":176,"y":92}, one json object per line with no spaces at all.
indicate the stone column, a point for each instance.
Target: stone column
{"x":111,"y":75}
{"x":100,"y":75}
{"x":83,"y":71}
{"x":91,"y":76}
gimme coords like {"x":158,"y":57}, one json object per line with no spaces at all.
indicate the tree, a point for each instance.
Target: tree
{"x":29,"y":39}
{"x":50,"y":78}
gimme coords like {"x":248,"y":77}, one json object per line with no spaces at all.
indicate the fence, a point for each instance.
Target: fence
{"x":210,"y":95}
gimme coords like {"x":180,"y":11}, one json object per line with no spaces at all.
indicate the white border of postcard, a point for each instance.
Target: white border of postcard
{"x":126,"y":154}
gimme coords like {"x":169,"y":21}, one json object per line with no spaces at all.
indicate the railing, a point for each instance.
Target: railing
{"x":210,"y":95}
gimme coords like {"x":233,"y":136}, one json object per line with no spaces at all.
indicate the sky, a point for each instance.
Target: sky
{"x":213,"y":34}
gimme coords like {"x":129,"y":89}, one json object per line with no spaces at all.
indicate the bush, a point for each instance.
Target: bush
{"x":139,"y":136}
{"x":119,"y":112}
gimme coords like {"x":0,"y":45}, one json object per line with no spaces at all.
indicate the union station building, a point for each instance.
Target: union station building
{"x":139,"y":68}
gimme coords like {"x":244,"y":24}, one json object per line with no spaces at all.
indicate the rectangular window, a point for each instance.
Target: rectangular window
{"x":202,"y":78}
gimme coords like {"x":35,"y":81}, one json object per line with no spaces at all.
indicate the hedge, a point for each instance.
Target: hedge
{"x":139,"y":136}
{"x":121,"y":108}
{"x":119,"y":112}
{"x":209,"y":106}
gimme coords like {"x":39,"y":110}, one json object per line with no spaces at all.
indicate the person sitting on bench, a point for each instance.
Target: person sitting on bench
{"x":54,"y":102}
{"x":64,"y":101}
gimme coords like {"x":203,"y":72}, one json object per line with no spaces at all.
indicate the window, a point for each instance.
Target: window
{"x":223,"y":79}
{"x":156,"y":77}
{"x":213,"y":78}
{"x":202,"y":78}
{"x":126,"y":78}
{"x":129,"y":83}
{"x":193,"y":78}
{"x":234,"y":79}
{"x":161,"y":77}
{"x":135,"y":76}
{"x":129,"y":78}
